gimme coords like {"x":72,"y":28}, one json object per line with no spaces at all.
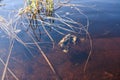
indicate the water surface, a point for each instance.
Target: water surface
{"x":104,"y":62}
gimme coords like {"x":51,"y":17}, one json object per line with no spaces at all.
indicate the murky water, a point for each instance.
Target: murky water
{"x":104,"y":64}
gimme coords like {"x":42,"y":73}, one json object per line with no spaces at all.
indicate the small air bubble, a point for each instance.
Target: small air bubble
{"x":71,"y":7}
{"x":67,"y":13}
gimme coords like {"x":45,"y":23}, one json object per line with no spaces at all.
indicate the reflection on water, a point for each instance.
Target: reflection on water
{"x":1,"y":0}
{"x":104,"y":63}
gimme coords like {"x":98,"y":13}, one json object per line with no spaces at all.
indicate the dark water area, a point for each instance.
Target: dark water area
{"x":104,"y":27}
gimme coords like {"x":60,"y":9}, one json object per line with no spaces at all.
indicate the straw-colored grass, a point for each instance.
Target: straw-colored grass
{"x":41,"y":14}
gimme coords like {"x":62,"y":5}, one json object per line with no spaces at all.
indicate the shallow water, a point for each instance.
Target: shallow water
{"x":104,"y":62}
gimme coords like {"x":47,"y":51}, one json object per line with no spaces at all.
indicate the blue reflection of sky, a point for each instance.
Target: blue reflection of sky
{"x":103,"y":15}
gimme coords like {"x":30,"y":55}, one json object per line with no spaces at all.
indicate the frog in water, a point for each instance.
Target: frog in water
{"x":66,"y":40}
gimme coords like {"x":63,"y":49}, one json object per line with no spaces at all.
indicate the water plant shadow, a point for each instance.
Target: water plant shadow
{"x":78,"y":57}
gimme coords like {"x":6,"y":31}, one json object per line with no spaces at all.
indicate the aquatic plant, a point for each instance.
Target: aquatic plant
{"x":41,"y":14}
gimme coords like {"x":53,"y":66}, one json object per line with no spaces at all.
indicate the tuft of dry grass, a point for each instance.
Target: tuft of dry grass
{"x":41,"y":14}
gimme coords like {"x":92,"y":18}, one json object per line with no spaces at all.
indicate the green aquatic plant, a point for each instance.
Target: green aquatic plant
{"x":49,"y":7}
{"x":37,"y":11}
{"x":37,"y":7}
